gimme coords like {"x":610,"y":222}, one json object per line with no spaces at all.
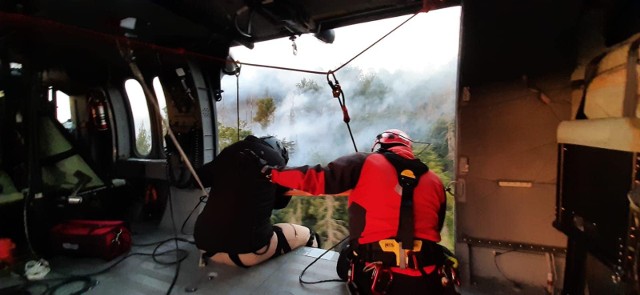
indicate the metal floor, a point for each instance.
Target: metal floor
{"x":141,"y":275}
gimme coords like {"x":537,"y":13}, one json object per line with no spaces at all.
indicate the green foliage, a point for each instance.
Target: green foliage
{"x":165,"y":116}
{"x":143,"y":140}
{"x":307,"y":85}
{"x":266,"y":108}
{"x":326,"y":215}
{"x":371,"y":87}
{"x":440,"y":135}
{"x":228,"y":135}
{"x":435,"y":163}
{"x":438,"y":164}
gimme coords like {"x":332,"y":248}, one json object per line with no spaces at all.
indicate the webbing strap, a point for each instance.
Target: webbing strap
{"x":590,"y":72}
{"x":236,"y":259}
{"x":409,"y":172}
{"x":283,"y":245}
{"x":406,"y":226}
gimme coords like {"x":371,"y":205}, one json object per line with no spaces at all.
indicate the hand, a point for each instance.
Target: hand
{"x":265,"y":168}
{"x":266,"y":171}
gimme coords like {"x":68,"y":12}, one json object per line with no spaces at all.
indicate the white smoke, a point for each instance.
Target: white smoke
{"x":410,"y":95}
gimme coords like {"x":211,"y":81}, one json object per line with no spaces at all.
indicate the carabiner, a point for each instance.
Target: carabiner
{"x":335,"y":85}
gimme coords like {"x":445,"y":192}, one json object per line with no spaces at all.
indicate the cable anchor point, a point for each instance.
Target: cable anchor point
{"x":336,"y":90}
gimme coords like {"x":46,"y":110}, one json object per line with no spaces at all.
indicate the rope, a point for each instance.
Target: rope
{"x":151,"y":98}
{"x":282,"y":68}
{"x":238,"y":101}
{"x":339,"y":94}
{"x":335,"y":86}
{"x":330,"y":72}
{"x":374,"y":43}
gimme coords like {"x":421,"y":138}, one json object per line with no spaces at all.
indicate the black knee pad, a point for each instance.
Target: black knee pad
{"x":313,"y":236}
{"x":283,"y":246}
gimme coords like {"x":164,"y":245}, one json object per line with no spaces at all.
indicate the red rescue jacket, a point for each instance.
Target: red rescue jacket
{"x":374,"y":202}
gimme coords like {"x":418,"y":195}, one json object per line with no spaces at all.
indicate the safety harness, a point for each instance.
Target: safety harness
{"x":409,"y":172}
{"x":282,"y":247}
{"x":403,"y":251}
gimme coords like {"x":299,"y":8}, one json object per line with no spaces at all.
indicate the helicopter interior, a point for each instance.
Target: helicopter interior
{"x":546,"y":147}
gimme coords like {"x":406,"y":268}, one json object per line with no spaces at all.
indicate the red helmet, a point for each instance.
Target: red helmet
{"x":392,"y":137}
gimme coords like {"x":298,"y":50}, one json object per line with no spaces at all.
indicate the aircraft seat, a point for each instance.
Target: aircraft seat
{"x":61,"y":162}
{"x":8,"y":193}
{"x":614,"y":79}
{"x":622,"y":134}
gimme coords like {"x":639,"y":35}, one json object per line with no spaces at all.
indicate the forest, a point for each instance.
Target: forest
{"x":304,"y":116}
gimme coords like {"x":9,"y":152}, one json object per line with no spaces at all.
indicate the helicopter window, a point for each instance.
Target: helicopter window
{"x":63,"y":108}
{"x":140,"y":114}
{"x":162,"y":104}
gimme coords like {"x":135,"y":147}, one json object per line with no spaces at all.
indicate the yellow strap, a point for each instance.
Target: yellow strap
{"x":391,"y":245}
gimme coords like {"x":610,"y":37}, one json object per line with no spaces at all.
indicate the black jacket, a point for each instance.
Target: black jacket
{"x":236,"y":218}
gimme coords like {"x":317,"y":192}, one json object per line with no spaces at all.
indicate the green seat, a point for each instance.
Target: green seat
{"x":9,"y":192}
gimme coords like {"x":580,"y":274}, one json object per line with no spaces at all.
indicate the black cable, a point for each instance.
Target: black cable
{"x":238,"y":101}
{"x":449,"y":188}
{"x":374,"y":43}
{"x":339,"y":94}
{"x":175,"y":235}
{"x":129,"y":255}
{"x":426,"y":146}
{"x":90,"y":283}
{"x":164,"y":241}
{"x":314,"y":261}
{"x":343,"y":105}
{"x":25,"y":210}
{"x":495,"y":261}
{"x":202,"y":201}
{"x":178,"y":251}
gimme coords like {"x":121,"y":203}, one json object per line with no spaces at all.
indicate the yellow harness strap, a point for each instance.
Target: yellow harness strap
{"x":402,"y":255}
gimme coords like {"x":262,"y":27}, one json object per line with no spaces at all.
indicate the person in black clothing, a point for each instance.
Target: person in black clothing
{"x":235,"y":226}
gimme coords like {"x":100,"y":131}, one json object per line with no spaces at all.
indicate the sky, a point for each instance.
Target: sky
{"x":425,"y":43}
{"x":417,"y":62}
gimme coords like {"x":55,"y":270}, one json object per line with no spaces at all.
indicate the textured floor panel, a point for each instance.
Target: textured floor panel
{"x":141,"y":275}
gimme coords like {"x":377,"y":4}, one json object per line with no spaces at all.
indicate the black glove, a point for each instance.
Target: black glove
{"x":265,"y":168}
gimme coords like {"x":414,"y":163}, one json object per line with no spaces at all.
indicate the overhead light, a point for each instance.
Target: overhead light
{"x":326,"y":36}
{"x":128,"y":23}
{"x":129,"y":26}
{"x":515,"y":183}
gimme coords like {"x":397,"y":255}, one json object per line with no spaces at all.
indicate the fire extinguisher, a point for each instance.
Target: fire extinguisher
{"x":99,"y":114}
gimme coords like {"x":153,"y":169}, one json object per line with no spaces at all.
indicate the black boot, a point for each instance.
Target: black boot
{"x":314,"y":236}
{"x":344,"y":262}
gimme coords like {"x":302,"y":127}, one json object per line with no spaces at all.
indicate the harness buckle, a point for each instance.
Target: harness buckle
{"x":402,"y":255}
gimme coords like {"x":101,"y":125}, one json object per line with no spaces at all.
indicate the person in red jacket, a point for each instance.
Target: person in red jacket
{"x":394,"y":198}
